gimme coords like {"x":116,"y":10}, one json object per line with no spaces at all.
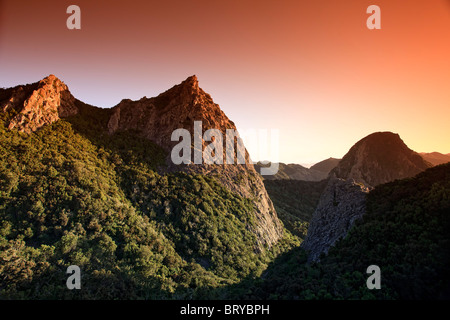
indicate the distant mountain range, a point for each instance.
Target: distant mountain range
{"x":401,"y":166}
{"x":326,"y":165}
{"x":292,"y":172}
{"x":436,"y":158}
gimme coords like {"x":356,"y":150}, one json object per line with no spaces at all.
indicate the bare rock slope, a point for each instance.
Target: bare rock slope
{"x":37,"y":104}
{"x":380,"y":158}
{"x":340,"y":205}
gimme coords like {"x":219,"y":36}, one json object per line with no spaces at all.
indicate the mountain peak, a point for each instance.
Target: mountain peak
{"x":156,"y":119}
{"x":192,"y":80}
{"x":383,"y":135}
{"x":51,"y":78}
{"x":178,"y":107}
{"x":435,"y":158}
{"x":38,"y":104}
{"x":185,"y":90}
{"x":379,"y":158}
{"x":191,"y":84}
{"x":181,"y":107}
{"x":53,"y":83}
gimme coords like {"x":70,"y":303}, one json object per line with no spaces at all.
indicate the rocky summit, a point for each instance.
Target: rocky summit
{"x":178,"y":108}
{"x":37,"y":104}
{"x":380,"y":158}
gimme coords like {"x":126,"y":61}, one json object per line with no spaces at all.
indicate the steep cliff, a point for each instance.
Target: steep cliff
{"x":378,"y":158}
{"x":178,"y":108}
{"x":35,"y":105}
{"x":340,"y":205}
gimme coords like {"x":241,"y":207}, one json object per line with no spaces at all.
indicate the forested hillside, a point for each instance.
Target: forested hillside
{"x":70,"y":194}
{"x":295,"y":202}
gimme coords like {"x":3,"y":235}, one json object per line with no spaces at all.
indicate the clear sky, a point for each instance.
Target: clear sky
{"x":311,"y":69}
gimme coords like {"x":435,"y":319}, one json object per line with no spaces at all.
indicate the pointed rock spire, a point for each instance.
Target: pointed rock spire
{"x":39,"y":104}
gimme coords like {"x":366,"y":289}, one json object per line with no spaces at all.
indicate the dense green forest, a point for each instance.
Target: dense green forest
{"x":406,"y":232}
{"x":70,"y":194}
{"x":295,"y":202}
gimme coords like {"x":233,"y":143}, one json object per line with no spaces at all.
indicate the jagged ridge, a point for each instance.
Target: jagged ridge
{"x":156,"y":119}
{"x":37,"y":104}
{"x":49,"y":100}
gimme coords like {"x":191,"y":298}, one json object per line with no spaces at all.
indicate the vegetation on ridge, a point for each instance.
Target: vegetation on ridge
{"x":72,"y":195}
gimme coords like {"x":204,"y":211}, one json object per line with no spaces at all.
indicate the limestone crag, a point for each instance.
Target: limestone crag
{"x":340,"y":205}
{"x":38,"y":104}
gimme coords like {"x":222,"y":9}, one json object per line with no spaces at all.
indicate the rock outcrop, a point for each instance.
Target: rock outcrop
{"x":380,"y":158}
{"x":178,"y":108}
{"x":340,"y":205}
{"x":36,"y":105}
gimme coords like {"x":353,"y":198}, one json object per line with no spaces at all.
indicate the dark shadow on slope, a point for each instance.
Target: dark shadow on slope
{"x":295,"y":202}
{"x":406,"y":232}
{"x":92,"y":123}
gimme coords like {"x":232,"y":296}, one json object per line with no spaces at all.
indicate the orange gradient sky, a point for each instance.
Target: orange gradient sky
{"x":311,"y":69}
